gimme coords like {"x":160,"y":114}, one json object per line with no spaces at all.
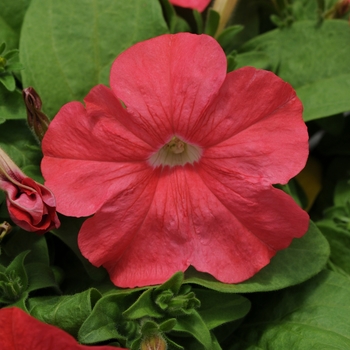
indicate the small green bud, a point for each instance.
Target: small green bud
{"x":3,"y":62}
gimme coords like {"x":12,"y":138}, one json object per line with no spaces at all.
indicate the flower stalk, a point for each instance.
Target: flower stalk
{"x":225,"y":9}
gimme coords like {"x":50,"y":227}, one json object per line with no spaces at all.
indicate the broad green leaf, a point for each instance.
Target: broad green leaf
{"x":40,"y":276}
{"x":67,"y":47}
{"x":11,"y":104}
{"x":12,"y":13}
{"x":304,"y":258}
{"x":255,"y":59}
{"x":18,"y":142}
{"x":67,"y":312}
{"x":314,"y":58}
{"x":314,"y":315}
{"x":217,"y":308}
{"x":101,"y":325}
{"x":8,"y":81}
{"x":325,"y":97}
{"x":8,"y":35}
{"x":339,"y":241}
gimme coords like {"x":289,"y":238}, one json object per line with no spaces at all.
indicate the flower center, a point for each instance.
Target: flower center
{"x":176,"y":152}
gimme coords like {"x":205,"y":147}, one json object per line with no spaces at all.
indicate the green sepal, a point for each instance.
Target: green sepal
{"x":143,"y":307}
{"x":199,"y":21}
{"x":212,"y":23}
{"x":226,"y":36}
{"x":14,"y":280}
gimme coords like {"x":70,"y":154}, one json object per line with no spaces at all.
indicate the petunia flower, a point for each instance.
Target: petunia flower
{"x":20,"y":331}
{"x":31,"y":205}
{"x":199,"y":5}
{"x":180,"y":173}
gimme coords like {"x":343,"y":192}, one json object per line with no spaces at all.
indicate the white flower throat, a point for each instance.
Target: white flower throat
{"x":176,"y":152}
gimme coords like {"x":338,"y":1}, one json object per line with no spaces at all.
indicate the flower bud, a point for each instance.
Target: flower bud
{"x":31,"y":206}
{"x":153,"y":342}
{"x":5,"y":228}
{"x":38,"y":121}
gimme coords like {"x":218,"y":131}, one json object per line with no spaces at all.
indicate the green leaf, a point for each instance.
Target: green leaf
{"x":194,"y":325}
{"x":8,"y":81}
{"x":17,"y":141}
{"x":339,"y":241}
{"x":40,"y":276}
{"x":314,"y":315}
{"x":8,"y":35}
{"x":12,"y":13}
{"x":67,"y":47}
{"x":227,"y":35}
{"x":304,"y":258}
{"x":101,"y":325}
{"x":255,"y":59}
{"x":325,"y":97}
{"x":212,"y":22}
{"x":218,"y":308}
{"x":11,"y":104}
{"x":143,"y":307}
{"x":173,"y":284}
{"x":314,"y":58}
{"x":199,"y":21}
{"x":14,"y":281}
{"x":67,"y":312}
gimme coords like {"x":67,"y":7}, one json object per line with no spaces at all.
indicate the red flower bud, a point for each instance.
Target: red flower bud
{"x":38,"y":121}
{"x":31,"y":205}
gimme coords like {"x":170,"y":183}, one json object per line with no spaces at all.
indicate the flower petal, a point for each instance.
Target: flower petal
{"x":20,"y":331}
{"x":198,"y":5}
{"x":85,"y":162}
{"x":164,"y":226}
{"x":150,"y":236}
{"x":167,"y":82}
{"x":268,"y":213}
{"x":255,"y":127}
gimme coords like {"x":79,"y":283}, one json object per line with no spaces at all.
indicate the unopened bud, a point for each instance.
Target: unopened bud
{"x":38,"y":121}
{"x":5,"y":228}
{"x":153,"y":342}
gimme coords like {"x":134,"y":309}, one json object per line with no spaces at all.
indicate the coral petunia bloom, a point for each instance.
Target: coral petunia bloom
{"x":20,"y":331}
{"x":199,"y":5}
{"x":31,"y":205}
{"x":183,"y":174}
